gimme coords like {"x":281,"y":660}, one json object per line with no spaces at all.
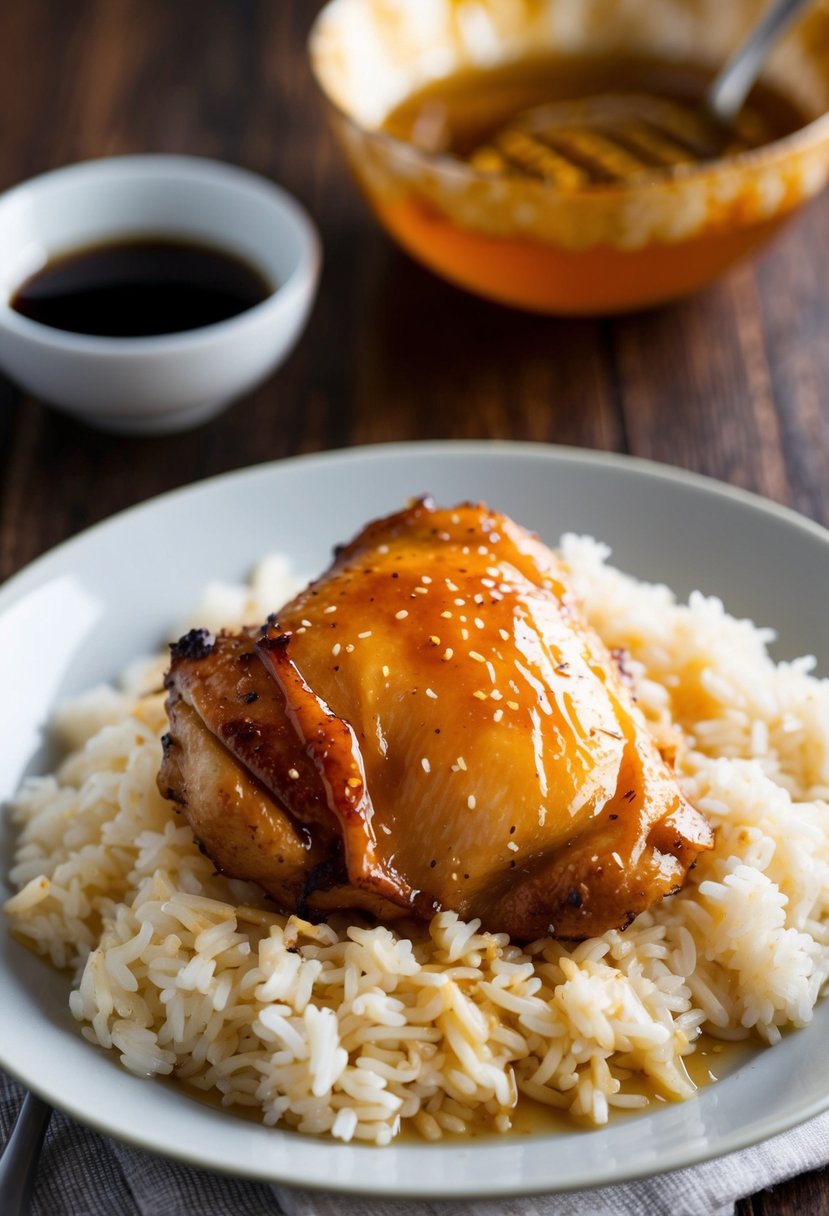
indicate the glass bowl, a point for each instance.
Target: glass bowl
{"x":598,"y":249}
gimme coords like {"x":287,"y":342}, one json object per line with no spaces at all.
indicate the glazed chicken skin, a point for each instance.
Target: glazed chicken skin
{"x":429,"y":725}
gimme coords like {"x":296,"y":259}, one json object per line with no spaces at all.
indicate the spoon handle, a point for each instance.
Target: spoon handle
{"x":19,"y":1160}
{"x":732,"y":83}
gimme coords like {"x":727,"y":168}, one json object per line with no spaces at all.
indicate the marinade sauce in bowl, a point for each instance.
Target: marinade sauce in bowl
{"x":140,"y":287}
{"x":456,"y":130}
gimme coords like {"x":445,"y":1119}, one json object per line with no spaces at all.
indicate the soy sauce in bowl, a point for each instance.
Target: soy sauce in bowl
{"x":126,"y":325}
{"x":140,"y":287}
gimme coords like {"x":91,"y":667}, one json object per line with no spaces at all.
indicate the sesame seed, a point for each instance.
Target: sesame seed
{"x":447,"y":615}
{"x":462,"y":619}
{"x":365,"y":634}
{"x":336,"y":648}
{"x":465,"y":634}
{"x":447,"y":654}
{"x":496,"y":695}
{"x":444,"y":536}
{"x":490,"y":672}
{"x":512,"y":705}
{"x":307,"y":624}
{"x":480,"y":694}
{"x":459,"y":603}
{"x":461,"y":764}
{"x":617,"y":859}
{"x":456,"y":519}
{"x":330,"y":608}
{"x":301,"y":629}
{"x":401,"y":615}
{"x":293,"y":774}
{"x":431,"y":694}
{"x":426,"y":766}
{"x":385,"y":671}
{"x":498,"y":715}
{"x":503,"y":635}
{"x":487,"y":582}
{"x":479,"y":658}
{"x":482,"y":549}
{"x":424,"y":578}
{"x":512,"y":845}
{"x":354,"y":782}
{"x":478,"y":623}
{"x":434,"y":639}
{"x":479,"y":599}
{"x":420,"y":591}
{"x":349,"y":648}
{"x":471,"y":802}
{"x":450,"y":584}
{"x":382,"y":548}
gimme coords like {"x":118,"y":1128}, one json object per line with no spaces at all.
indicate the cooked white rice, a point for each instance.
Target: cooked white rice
{"x":353,"y":1030}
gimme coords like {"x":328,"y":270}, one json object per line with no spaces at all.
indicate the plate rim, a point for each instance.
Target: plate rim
{"x":569,"y":454}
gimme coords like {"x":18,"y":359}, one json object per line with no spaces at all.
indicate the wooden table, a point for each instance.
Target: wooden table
{"x":733,"y":383}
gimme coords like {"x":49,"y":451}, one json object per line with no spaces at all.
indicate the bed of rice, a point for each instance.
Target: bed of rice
{"x":354,"y":1030}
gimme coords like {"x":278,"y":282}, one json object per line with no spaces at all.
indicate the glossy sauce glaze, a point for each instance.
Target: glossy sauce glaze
{"x":430,"y":725}
{"x":487,"y":710}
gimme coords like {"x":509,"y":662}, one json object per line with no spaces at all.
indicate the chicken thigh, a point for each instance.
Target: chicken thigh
{"x":430,"y":725}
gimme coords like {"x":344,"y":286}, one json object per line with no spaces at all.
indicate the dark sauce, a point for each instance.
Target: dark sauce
{"x":140,"y":288}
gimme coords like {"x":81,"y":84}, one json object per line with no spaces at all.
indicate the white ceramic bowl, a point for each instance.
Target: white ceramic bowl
{"x":158,"y":384}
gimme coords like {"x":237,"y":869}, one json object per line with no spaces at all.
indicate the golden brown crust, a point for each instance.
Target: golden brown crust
{"x":438,"y":717}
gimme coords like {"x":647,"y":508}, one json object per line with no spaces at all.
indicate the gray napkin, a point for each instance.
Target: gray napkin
{"x":84,"y":1174}
{"x":711,"y":1189}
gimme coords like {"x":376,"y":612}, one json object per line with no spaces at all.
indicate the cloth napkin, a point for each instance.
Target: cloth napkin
{"x":84,"y":1174}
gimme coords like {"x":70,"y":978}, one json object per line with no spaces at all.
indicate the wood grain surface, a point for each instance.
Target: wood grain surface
{"x":733,"y":383}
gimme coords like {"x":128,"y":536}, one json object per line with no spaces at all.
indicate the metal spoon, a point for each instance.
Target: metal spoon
{"x":18,"y":1164}
{"x":725,"y":96}
{"x":616,"y":137}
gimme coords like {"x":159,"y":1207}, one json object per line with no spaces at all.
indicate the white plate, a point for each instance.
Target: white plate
{"x":80,"y":613}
